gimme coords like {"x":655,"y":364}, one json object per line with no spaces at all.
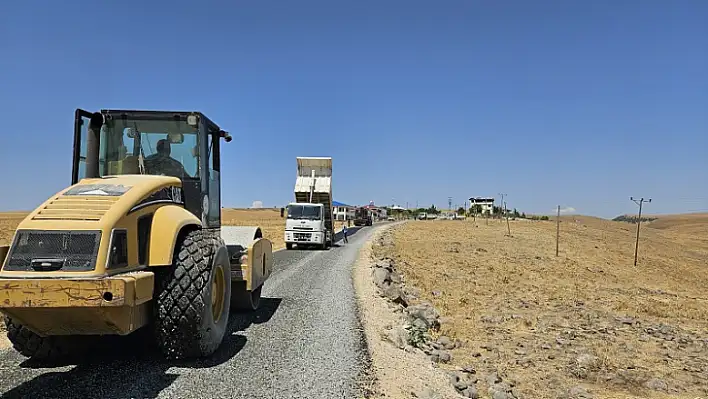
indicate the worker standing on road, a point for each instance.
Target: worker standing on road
{"x":344,"y":233}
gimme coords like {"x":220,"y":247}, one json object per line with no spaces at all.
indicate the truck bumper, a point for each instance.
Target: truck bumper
{"x":304,"y":237}
{"x":68,"y":306}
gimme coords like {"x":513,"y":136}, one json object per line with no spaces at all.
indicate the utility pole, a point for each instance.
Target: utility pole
{"x":501,"y":203}
{"x":507,"y":220}
{"x":558,"y":223}
{"x":639,"y":222}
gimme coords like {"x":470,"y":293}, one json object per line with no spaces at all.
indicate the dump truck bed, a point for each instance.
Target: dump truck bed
{"x":322,"y":193}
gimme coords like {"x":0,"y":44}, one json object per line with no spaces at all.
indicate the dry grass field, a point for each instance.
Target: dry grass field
{"x":268,"y":219}
{"x":587,"y":318}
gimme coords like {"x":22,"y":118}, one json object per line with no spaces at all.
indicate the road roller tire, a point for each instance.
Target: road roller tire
{"x":192,"y":297}
{"x":34,"y":346}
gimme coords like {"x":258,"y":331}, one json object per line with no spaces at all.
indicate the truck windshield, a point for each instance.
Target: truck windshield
{"x":153,"y":147}
{"x":304,"y":212}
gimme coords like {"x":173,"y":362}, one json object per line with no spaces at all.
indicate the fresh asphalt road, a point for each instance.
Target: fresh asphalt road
{"x":304,"y":342}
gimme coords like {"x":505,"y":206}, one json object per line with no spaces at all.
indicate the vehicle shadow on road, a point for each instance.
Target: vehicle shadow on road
{"x":350,"y":232}
{"x":130,"y":366}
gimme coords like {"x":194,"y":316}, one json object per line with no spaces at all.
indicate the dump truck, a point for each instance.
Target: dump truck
{"x":134,"y":243}
{"x":310,"y":219}
{"x":362,"y":217}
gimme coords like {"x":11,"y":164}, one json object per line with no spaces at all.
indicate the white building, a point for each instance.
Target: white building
{"x":487,"y":204}
{"x":343,"y":211}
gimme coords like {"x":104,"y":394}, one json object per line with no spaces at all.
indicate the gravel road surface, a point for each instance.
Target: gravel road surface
{"x":305,"y":342}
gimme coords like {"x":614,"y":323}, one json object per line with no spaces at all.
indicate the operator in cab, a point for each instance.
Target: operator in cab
{"x":161,"y":163}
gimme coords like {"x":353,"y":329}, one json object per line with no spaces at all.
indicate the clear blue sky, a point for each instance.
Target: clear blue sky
{"x":577,"y":103}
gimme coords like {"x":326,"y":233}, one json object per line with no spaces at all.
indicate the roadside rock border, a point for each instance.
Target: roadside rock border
{"x":405,"y":358}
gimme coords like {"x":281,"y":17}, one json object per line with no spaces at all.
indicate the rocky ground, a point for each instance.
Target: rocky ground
{"x":398,"y":368}
{"x":417,"y":331}
{"x":505,"y":329}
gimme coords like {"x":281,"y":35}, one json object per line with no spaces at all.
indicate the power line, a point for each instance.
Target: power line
{"x":639,"y":223}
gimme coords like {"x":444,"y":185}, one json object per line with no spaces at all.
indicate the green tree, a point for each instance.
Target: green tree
{"x":460,"y":211}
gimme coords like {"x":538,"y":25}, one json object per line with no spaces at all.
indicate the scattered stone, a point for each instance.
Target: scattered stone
{"x":502,"y":386}
{"x":545,"y":346}
{"x":437,"y":293}
{"x":481,"y":250}
{"x":395,"y":277}
{"x":461,"y":383}
{"x":493,"y":378}
{"x":583,"y":365}
{"x":578,"y":392}
{"x":394,"y":293}
{"x":446,"y":342}
{"x":440,"y":356}
{"x":398,"y":336}
{"x":657,"y":385}
{"x":426,"y":393}
{"x":586,"y":361}
{"x":426,"y":313}
{"x":499,"y":394}
{"x":381,"y":276}
{"x":386,"y":263}
{"x":470,"y":392}
{"x":500,"y":390}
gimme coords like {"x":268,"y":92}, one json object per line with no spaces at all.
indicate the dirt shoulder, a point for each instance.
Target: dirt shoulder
{"x":398,"y":373}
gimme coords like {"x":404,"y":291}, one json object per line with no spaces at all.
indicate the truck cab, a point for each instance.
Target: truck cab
{"x":310,"y":219}
{"x":305,"y":225}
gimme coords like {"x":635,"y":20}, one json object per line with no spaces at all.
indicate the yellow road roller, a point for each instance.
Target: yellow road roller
{"x":135,"y":242}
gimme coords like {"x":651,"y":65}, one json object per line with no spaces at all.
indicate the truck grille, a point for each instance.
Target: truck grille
{"x":37,"y":250}
{"x":302,"y":236}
